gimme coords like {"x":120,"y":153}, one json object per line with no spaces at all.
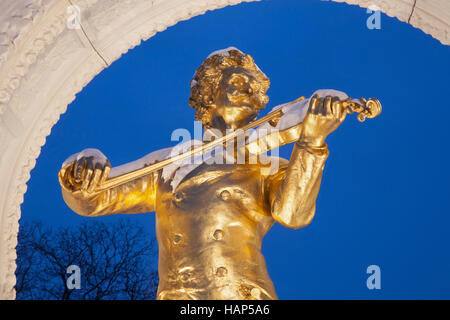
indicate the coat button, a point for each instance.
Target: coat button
{"x":218,"y":234}
{"x":185,"y":277}
{"x":177,"y":238}
{"x":256,"y":293}
{"x":179,"y":196}
{"x":225,"y":195}
{"x":221,"y":272}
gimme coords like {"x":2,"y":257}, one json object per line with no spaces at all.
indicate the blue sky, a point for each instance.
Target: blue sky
{"x":385,"y":190}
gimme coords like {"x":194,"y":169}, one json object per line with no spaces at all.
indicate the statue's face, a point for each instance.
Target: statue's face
{"x":238,"y":99}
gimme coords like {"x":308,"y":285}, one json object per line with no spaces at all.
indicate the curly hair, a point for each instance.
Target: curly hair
{"x":209,"y":74}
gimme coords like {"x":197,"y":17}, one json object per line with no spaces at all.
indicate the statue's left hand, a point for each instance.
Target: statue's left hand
{"x":84,"y":171}
{"x":325,"y":115}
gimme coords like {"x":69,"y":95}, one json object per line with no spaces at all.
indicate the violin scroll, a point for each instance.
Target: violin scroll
{"x":365,"y":108}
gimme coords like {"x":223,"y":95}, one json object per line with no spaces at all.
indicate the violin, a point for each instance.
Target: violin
{"x":366,"y":109}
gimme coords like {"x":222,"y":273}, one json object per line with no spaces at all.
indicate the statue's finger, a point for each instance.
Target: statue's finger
{"x":336,"y":108}
{"x":96,"y":178}
{"x":74,"y":170}
{"x":327,"y":106}
{"x":64,"y":174}
{"x":106,"y":171}
{"x":321,"y":107}
{"x":78,"y":169}
{"x":70,"y":173}
{"x":341,"y":110}
{"x":316,"y":106}
{"x":313,"y":103}
{"x":87,"y":177}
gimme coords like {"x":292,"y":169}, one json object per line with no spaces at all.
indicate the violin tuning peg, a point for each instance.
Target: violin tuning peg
{"x":361,"y":117}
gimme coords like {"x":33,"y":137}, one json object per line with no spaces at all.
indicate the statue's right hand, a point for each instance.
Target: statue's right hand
{"x":84,"y":171}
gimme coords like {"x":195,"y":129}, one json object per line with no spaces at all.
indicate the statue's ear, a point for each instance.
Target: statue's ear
{"x":209,"y":101}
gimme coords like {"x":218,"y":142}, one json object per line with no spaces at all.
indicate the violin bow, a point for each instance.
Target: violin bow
{"x":365,"y":109}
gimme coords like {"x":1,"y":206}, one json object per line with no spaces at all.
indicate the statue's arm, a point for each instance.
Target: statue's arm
{"x":137,"y":196}
{"x":294,"y":189}
{"x":79,"y":177}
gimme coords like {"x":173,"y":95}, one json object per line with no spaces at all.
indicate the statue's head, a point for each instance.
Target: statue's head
{"x":228,"y":90}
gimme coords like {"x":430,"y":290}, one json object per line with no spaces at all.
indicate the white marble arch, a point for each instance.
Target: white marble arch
{"x":43,"y":64}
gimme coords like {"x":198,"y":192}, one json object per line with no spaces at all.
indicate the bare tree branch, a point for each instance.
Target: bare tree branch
{"x":117,"y":261}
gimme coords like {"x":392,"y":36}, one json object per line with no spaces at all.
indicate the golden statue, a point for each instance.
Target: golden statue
{"x":210,"y":225}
